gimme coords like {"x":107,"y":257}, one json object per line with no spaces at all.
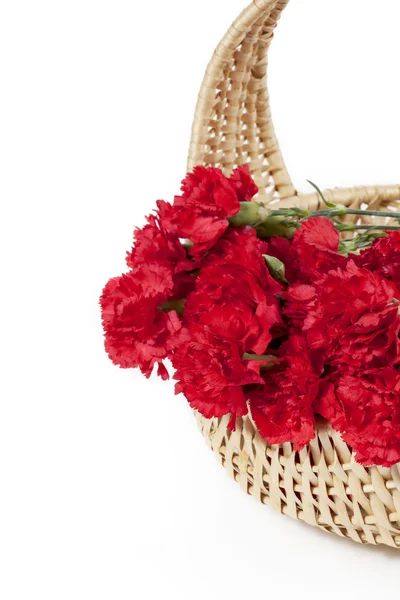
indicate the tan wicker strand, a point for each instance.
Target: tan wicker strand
{"x":321,"y":485}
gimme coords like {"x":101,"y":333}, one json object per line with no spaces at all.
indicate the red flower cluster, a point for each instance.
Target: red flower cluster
{"x":138,"y":333}
{"x":353,"y":319}
{"x":312,"y":252}
{"x":233,"y":311}
{"x":383,"y":257}
{"x":364,"y":406}
{"x":283,"y":329}
{"x":283,"y":406}
{"x":140,"y":309}
{"x":208,"y":198}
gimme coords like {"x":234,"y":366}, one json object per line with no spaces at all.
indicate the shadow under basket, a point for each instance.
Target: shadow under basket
{"x":321,"y":485}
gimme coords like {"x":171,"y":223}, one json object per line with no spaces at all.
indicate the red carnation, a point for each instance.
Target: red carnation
{"x":312,"y":252}
{"x":243,"y":183}
{"x":137,"y":332}
{"x":208,"y":199}
{"x":154,"y":243}
{"x":365,"y":408}
{"x":282,"y":408}
{"x":354,"y":320}
{"x":235,"y":275}
{"x":283,"y":249}
{"x":242,"y":248}
{"x":317,"y":245}
{"x":209,"y":364}
{"x":383,"y":257}
{"x":242,"y":296}
{"x":298,"y":302}
{"x":231,"y":312}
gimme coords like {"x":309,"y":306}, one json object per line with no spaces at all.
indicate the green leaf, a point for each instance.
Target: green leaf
{"x":364,"y":240}
{"x":320,"y":194}
{"x":176,"y":305}
{"x":260,"y":357}
{"x":270,"y":360}
{"x":344,"y":226}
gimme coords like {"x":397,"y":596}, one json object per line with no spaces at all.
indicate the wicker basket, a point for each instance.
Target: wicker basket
{"x":322,"y":485}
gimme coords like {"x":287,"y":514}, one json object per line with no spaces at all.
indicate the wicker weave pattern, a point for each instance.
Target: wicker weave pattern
{"x":322,"y":485}
{"x":233,"y":125}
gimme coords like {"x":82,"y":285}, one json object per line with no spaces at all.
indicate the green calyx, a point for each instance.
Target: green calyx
{"x":251,"y":214}
{"x":276,"y":268}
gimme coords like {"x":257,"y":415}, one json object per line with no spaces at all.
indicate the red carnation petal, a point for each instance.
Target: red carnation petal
{"x":244,"y":184}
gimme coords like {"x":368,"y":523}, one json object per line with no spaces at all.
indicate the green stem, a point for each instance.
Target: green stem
{"x":378,"y":227}
{"x":285,"y":221}
{"x":352,"y":227}
{"x":373,"y":213}
{"x":339,"y":212}
{"x":260,"y":357}
{"x":177,"y":305}
{"x":356,"y":211}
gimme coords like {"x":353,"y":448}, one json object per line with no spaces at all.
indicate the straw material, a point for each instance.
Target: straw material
{"x":322,"y":485}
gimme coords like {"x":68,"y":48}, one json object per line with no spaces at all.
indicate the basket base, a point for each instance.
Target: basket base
{"x":322,"y":485}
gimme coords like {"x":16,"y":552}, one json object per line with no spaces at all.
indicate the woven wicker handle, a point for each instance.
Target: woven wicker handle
{"x":232,"y":123}
{"x":233,"y":126}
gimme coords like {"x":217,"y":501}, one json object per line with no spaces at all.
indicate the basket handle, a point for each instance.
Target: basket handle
{"x":232,"y":124}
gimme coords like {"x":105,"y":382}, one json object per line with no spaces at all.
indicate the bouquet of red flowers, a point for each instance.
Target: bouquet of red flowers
{"x":266,"y":312}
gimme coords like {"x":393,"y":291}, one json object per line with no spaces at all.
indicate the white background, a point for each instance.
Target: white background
{"x":107,"y":490}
